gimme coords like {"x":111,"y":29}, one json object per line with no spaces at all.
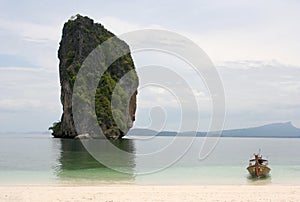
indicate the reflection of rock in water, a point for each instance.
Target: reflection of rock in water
{"x":77,"y":164}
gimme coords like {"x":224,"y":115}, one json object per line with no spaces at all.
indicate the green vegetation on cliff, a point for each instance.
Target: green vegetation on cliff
{"x":80,"y":37}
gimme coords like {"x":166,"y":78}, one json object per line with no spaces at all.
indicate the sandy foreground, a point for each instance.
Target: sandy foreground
{"x":114,"y":193}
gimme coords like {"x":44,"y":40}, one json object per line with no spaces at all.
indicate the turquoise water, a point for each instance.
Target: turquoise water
{"x":36,"y":159}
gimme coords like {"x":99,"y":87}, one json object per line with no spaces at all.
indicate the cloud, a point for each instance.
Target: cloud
{"x":250,"y":36}
{"x":260,"y":92}
{"x":18,"y":105}
{"x":256,"y":92}
{"x":13,"y":61}
{"x":120,"y":26}
{"x":31,"y":31}
{"x":28,"y":94}
{"x":34,"y":43}
{"x":174,"y":86}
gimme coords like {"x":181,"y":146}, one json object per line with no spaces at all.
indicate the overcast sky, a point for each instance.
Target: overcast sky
{"x":254,"y":44}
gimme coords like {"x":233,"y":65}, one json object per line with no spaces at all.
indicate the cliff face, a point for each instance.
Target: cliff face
{"x":81,"y":36}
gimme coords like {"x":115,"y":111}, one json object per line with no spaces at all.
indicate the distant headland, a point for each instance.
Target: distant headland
{"x":274,"y":130}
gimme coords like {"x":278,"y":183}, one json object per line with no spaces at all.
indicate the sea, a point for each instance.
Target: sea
{"x":42,"y":159}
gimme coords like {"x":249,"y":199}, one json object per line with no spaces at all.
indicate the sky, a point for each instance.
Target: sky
{"x":254,"y":45}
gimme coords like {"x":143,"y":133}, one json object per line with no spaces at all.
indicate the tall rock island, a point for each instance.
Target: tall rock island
{"x":79,"y":38}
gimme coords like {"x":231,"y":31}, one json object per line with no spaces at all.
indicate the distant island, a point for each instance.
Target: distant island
{"x":275,"y":130}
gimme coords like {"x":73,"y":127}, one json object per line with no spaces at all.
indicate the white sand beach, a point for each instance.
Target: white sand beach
{"x":115,"y":193}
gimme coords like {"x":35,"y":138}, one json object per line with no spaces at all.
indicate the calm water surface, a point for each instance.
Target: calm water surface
{"x":43,"y":159}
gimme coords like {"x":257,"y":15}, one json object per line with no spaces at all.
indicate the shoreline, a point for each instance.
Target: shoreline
{"x":122,"y":192}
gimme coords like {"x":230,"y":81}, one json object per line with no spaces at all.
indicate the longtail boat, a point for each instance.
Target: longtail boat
{"x":258,"y":167}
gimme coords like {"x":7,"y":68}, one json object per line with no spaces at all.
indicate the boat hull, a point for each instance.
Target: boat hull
{"x":259,"y":170}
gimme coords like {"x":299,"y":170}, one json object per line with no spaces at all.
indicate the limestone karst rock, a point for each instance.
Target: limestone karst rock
{"x":79,"y":38}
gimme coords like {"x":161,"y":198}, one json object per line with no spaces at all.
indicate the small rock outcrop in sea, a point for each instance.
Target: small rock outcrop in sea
{"x":79,"y":38}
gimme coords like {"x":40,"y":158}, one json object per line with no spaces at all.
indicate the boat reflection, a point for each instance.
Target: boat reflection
{"x":264,"y":180}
